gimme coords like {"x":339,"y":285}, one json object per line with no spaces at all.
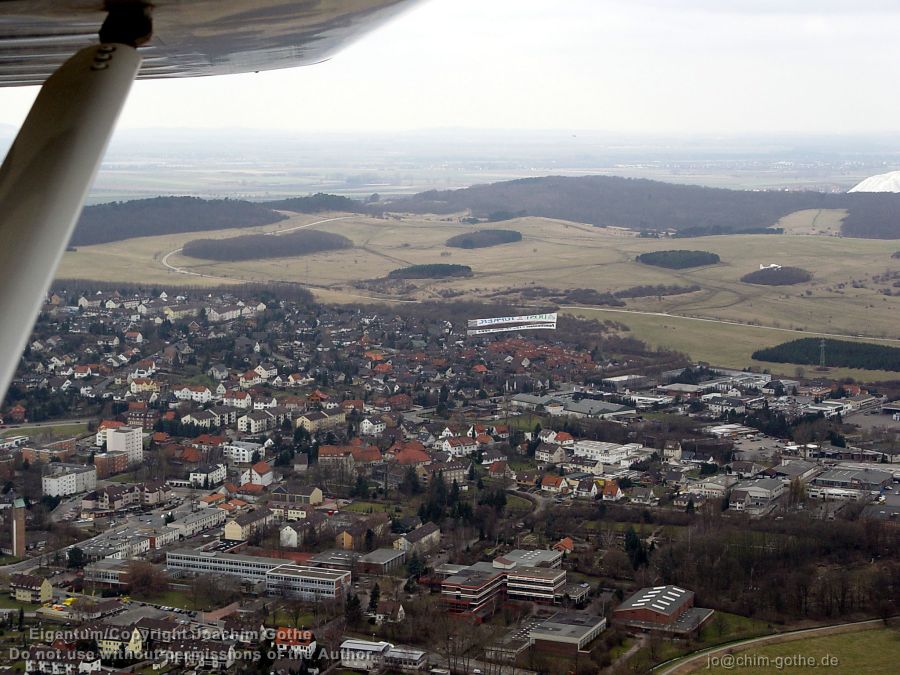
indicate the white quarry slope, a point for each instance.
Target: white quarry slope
{"x":883,"y":182}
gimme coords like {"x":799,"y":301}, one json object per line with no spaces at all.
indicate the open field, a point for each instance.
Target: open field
{"x":726,"y":345}
{"x":842,"y":298}
{"x":813,"y":221}
{"x":48,"y":432}
{"x":871,"y":652}
{"x":7,"y":602}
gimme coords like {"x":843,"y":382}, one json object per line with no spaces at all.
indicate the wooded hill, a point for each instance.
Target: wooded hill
{"x":262,"y":246}
{"x":116,"y":221}
{"x":642,"y":204}
{"x":838,"y":353}
{"x":318,"y":203}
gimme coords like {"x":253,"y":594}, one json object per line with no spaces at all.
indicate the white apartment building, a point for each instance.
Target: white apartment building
{"x":197,"y":394}
{"x":208,"y":476}
{"x":241,"y":452}
{"x":372,"y":426}
{"x":129,"y":440}
{"x":68,"y":479}
{"x":608,"y":453}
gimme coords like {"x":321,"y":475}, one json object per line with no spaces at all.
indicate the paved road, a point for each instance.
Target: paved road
{"x":699,"y":660}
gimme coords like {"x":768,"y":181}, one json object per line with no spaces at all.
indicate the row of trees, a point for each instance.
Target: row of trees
{"x":781,"y":276}
{"x":678,"y":259}
{"x":432,"y":271}
{"x":262,"y":246}
{"x":484,"y":238}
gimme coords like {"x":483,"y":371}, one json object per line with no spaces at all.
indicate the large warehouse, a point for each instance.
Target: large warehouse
{"x":661,"y":608}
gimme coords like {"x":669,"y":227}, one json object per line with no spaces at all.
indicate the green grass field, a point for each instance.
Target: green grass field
{"x":872,"y":652}
{"x":7,"y":602}
{"x":407,"y":508}
{"x":724,"y":345}
{"x":54,"y":432}
{"x":516,"y":504}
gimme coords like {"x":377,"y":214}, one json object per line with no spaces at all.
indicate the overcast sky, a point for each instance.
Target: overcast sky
{"x":655,"y":66}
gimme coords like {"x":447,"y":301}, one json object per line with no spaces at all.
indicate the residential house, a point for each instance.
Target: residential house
{"x":196,"y":393}
{"x":554,"y":483}
{"x":611,"y":492}
{"x":258,"y":474}
{"x":587,"y":488}
{"x":207,"y":476}
{"x":420,"y":541}
{"x":372,"y":426}
{"x":644,"y":496}
{"x":30,"y":588}
{"x":459,"y":446}
{"x":245,"y":525}
{"x":547,"y":454}
{"x":256,"y":421}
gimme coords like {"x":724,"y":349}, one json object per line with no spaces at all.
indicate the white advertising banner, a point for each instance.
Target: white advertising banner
{"x":530,"y":318}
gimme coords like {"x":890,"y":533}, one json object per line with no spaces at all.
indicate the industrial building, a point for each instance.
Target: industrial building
{"x":668,"y":609}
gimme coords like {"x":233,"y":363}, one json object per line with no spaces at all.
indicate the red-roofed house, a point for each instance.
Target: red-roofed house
{"x":564,"y":545}
{"x":249,"y":379}
{"x":612,"y":492}
{"x":500,"y":469}
{"x":258,"y":474}
{"x":368,"y":454}
{"x":238,"y":399}
{"x":553,"y":483}
{"x":294,"y":643}
{"x":459,"y":446}
{"x":410,"y":454}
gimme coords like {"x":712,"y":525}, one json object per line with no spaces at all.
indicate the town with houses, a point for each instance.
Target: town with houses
{"x":251,"y":482}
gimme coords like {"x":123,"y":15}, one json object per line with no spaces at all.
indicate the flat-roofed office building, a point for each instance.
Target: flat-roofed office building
{"x":312,"y":584}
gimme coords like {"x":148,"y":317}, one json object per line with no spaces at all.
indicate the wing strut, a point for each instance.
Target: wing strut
{"x":50,"y":167}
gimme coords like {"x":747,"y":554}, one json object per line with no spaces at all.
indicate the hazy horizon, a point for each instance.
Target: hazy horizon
{"x":643,"y":66}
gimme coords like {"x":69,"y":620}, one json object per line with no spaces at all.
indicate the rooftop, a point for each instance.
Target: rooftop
{"x":382,"y":555}
{"x":289,"y":570}
{"x":572,"y":625}
{"x":666,"y":599}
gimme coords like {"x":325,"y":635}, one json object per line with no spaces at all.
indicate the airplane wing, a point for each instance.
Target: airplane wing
{"x":190,"y":37}
{"x":87,"y":53}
